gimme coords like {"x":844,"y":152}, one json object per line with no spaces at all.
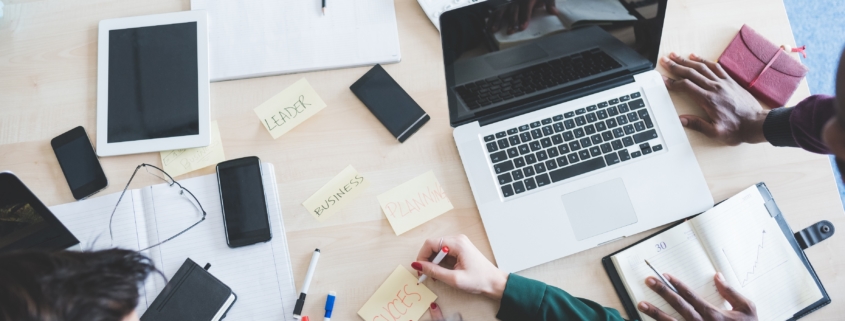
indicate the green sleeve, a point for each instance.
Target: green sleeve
{"x":527,"y":300}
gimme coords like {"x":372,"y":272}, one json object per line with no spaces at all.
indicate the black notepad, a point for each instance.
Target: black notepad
{"x":192,"y":294}
{"x":746,"y":239}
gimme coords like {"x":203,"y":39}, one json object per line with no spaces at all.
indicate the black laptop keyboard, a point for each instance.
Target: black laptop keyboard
{"x":550,"y":150}
{"x":534,"y":78}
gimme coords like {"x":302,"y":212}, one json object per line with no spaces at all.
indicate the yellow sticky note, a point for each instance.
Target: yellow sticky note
{"x":289,"y":108}
{"x":336,"y":194}
{"x":398,"y":298}
{"x":182,"y":161}
{"x":414,"y":202}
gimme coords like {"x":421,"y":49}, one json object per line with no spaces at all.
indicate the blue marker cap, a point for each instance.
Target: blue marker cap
{"x":329,"y":305}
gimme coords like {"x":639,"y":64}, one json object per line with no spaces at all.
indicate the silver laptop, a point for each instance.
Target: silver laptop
{"x":569,"y":139}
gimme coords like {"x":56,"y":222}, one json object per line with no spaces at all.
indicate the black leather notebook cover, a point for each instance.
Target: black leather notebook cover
{"x":192,"y":294}
{"x":774,"y":211}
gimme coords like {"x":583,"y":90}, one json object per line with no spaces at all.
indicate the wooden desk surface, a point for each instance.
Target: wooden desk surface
{"x":48,"y":53}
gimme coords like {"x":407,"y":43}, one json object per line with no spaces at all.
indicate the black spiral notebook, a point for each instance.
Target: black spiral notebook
{"x":746,"y":239}
{"x":192,"y":294}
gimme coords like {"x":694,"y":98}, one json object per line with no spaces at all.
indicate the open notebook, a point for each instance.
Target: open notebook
{"x":253,"y":38}
{"x":260,"y":274}
{"x":753,"y":249}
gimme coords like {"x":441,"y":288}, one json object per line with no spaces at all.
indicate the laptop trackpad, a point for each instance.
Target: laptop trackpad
{"x":599,"y":209}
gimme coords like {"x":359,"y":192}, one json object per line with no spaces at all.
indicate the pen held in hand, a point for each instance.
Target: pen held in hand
{"x":437,"y":259}
{"x":660,"y":276}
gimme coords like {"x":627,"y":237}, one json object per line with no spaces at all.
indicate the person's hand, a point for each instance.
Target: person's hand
{"x":692,"y":307}
{"x":516,"y":15}
{"x":735,"y":116}
{"x":470,"y":271}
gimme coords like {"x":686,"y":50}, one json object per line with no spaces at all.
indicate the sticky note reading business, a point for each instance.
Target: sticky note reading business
{"x":289,"y":108}
{"x":414,"y":202}
{"x":336,"y":194}
{"x":183,"y":161}
{"x":398,"y":298}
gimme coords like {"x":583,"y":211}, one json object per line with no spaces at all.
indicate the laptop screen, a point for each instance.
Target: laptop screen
{"x":499,"y":54}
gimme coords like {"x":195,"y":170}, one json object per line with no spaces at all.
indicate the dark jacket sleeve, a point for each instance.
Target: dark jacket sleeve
{"x":528,"y":300}
{"x":801,"y":126}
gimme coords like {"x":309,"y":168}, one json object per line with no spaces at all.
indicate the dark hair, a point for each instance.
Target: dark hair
{"x":57,"y":286}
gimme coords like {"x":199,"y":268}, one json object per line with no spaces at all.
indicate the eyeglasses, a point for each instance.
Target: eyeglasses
{"x":157,"y":172}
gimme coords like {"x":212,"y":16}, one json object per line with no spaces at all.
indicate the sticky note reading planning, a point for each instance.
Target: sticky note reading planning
{"x":182,"y":161}
{"x":398,"y":298}
{"x":289,"y":108}
{"x":414,"y":202}
{"x":336,"y":194}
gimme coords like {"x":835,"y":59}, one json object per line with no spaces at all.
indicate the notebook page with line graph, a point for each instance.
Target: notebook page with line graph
{"x":746,"y":244}
{"x":737,"y":238}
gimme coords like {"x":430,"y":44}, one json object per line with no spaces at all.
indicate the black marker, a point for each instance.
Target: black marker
{"x":297,"y":310}
{"x":324,"y":7}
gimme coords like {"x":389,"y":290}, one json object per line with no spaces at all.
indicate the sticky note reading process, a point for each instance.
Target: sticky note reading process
{"x":182,"y":161}
{"x":414,"y":202}
{"x":336,"y":194}
{"x":398,"y":298}
{"x":289,"y":108}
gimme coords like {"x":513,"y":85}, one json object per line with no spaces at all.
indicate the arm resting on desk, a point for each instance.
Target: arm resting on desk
{"x":526,"y":300}
{"x":801,"y":126}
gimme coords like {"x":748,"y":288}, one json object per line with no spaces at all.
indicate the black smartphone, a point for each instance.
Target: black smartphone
{"x":245,"y":214}
{"x":393,"y":107}
{"x":79,"y":163}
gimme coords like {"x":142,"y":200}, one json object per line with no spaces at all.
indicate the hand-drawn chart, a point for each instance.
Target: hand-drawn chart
{"x":751,"y":261}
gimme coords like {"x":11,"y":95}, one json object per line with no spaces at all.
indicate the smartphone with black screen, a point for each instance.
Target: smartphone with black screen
{"x":391,"y":105}
{"x":245,"y":214}
{"x":79,"y":163}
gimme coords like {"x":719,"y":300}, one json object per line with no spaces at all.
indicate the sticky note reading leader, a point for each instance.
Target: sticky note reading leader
{"x":182,"y":161}
{"x":414,"y":202}
{"x":336,"y":194}
{"x":289,"y":108}
{"x":398,"y":298}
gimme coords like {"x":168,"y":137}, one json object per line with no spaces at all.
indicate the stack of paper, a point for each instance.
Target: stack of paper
{"x":252,"y":38}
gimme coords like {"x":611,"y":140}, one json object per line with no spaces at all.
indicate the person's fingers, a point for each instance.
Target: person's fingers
{"x":525,"y":13}
{"x":698,"y":66}
{"x":699,"y":124}
{"x":429,"y":246}
{"x":675,"y":300}
{"x":436,"y":313}
{"x":714,"y":67}
{"x":686,"y":72}
{"x":495,"y":21}
{"x":438,"y":272}
{"x":512,"y":18}
{"x":737,"y":300}
{"x":704,"y":308}
{"x":551,"y":7}
{"x":686,"y":86}
{"x":654,"y":312}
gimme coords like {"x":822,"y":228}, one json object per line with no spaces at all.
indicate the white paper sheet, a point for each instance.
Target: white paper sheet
{"x":252,"y":38}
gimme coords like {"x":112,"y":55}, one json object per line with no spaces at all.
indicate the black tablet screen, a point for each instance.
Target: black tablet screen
{"x":152,"y":85}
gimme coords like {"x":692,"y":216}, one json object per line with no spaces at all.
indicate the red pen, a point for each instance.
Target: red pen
{"x":443,"y":251}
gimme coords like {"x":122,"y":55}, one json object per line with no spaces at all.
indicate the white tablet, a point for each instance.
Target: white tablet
{"x":152,"y":83}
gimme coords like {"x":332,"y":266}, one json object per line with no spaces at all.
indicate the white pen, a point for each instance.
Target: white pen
{"x":297,"y":309}
{"x":660,"y":275}
{"x":443,"y":251}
